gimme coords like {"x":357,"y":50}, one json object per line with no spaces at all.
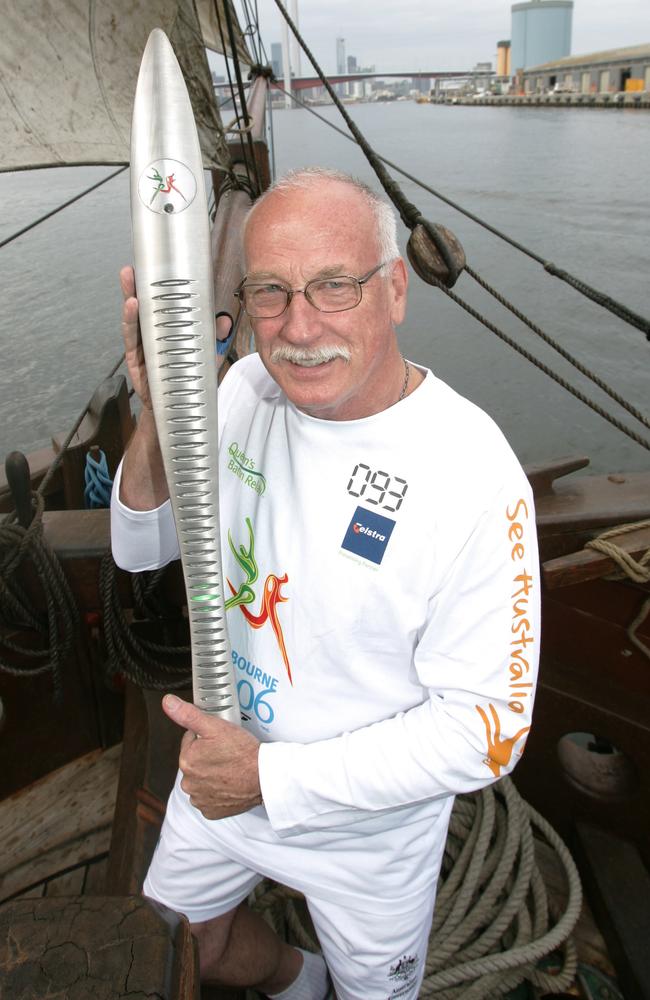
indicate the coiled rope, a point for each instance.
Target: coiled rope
{"x":57,"y":626}
{"x":491,"y":923}
{"x":148,"y":664}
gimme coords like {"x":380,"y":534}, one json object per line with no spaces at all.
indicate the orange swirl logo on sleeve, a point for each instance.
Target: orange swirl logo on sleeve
{"x":271,"y":596}
{"x":499,"y":751}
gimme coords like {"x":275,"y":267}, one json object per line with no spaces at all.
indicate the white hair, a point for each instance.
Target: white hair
{"x":307,"y":178}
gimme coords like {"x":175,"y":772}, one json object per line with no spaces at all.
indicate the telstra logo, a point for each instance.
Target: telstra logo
{"x":360,"y":529}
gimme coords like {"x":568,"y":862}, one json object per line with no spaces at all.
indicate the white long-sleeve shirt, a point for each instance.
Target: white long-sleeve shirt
{"x":385,"y":612}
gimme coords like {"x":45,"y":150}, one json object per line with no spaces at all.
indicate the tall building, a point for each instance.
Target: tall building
{"x":276,"y":58}
{"x":482,"y":82}
{"x":541,"y":32}
{"x":503,"y":58}
{"x":341,"y":64}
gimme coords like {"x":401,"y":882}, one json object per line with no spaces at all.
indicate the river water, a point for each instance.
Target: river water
{"x":570,"y":184}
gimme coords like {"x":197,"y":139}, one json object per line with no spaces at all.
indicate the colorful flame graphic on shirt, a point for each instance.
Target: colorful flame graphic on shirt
{"x":271,"y":595}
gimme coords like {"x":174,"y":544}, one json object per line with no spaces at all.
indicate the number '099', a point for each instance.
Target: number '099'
{"x":375,"y":487}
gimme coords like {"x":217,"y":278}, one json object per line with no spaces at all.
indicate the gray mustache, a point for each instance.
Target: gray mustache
{"x":309,"y":357}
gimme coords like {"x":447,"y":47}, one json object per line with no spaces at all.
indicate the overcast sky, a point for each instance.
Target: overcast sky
{"x":431,"y":34}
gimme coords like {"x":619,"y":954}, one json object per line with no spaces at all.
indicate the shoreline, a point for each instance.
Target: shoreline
{"x":636,"y":100}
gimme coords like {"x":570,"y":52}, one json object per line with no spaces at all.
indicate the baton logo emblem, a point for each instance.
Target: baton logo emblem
{"x":167,"y":187}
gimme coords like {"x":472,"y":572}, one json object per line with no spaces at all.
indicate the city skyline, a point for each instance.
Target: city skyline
{"x":414,"y":35}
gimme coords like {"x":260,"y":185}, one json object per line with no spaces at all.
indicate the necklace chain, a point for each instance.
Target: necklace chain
{"x":407,"y":372}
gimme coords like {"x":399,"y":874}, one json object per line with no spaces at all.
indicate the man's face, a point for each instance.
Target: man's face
{"x":305,"y":234}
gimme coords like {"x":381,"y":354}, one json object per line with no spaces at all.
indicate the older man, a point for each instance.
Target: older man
{"x":379,"y":544}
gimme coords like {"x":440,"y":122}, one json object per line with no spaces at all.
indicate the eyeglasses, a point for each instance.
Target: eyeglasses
{"x":329,"y":295}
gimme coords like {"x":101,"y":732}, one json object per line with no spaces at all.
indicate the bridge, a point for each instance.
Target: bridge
{"x":307,"y":82}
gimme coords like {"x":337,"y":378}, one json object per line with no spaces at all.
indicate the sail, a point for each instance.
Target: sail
{"x":214,"y":27}
{"x":68,"y":72}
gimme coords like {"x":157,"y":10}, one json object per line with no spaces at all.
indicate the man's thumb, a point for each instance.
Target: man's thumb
{"x":188,"y":716}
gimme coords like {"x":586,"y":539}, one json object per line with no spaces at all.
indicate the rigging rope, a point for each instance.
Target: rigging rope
{"x":242,"y":110}
{"x":560,"y":350}
{"x":644,"y":442}
{"x":491,"y":922}
{"x":634,"y":411}
{"x":409,"y":213}
{"x":600,"y":298}
{"x":252,"y":31}
{"x":234,"y":179}
{"x":71,"y":201}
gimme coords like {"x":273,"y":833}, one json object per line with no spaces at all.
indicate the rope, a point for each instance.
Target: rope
{"x":71,"y":201}
{"x":560,"y":350}
{"x":636,"y":569}
{"x":243,"y":130}
{"x":492,"y":927}
{"x":98,"y":483}
{"x":242,"y":97}
{"x":629,"y":432}
{"x":234,"y":180}
{"x":605,"y":301}
{"x":57,"y":626}
{"x":617,"y":308}
{"x":409,"y":213}
{"x":145,"y":663}
{"x":644,"y":442}
{"x":634,"y":626}
{"x":251,"y":30}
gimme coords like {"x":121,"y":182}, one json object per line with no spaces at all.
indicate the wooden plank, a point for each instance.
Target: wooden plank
{"x":618,"y":885}
{"x":149,"y":765}
{"x":58,"y":821}
{"x":69,"y":884}
{"x":589,"y":564}
{"x":78,"y":534}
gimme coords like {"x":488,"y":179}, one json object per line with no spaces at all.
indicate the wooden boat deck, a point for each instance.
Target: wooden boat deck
{"x":57,"y":837}
{"x":56,"y":832}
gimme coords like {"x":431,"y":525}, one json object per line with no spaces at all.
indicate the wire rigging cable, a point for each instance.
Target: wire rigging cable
{"x":70,"y":201}
{"x":244,"y":129}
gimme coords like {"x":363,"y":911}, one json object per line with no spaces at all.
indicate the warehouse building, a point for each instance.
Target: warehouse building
{"x":615,"y":71}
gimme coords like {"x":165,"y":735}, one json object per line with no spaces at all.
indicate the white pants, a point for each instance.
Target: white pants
{"x":373,"y":952}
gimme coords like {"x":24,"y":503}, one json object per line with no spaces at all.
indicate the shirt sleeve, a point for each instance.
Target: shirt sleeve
{"x":477,"y":658}
{"x":141,"y":539}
